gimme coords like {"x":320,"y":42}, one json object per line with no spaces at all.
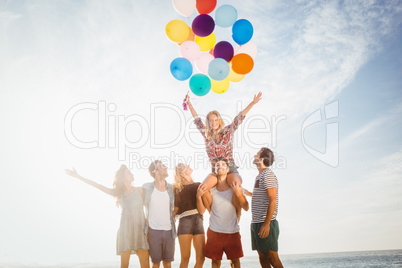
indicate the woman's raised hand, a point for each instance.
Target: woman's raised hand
{"x":187,"y":99}
{"x":72,"y":173}
{"x":257,"y":98}
{"x":188,"y":103}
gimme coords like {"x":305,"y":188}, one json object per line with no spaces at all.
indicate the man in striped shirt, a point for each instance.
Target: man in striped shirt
{"x":264,"y":208}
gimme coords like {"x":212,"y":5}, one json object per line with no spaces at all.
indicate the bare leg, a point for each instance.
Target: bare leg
{"x":234,"y":177}
{"x":125,"y":259}
{"x":167,"y":264}
{"x":156,"y":264}
{"x":143,"y":257}
{"x":198,"y":243}
{"x":210,"y":182}
{"x":216,"y":263}
{"x":235,"y":263}
{"x":185,"y":249}
{"x":264,"y":260}
{"x":274,"y":259}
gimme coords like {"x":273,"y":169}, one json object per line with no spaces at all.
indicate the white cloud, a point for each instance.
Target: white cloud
{"x":329,"y":42}
{"x":364,"y":209}
{"x":386,"y":118}
{"x":378,"y":190}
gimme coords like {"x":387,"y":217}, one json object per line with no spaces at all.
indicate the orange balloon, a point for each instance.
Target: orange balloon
{"x":242,"y":63}
{"x":190,"y":37}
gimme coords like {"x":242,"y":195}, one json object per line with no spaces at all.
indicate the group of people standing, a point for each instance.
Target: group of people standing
{"x":152,"y":234}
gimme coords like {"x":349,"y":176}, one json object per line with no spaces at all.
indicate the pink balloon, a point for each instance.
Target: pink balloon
{"x":184,"y":7}
{"x":202,"y":62}
{"x":190,"y":50}
{"x":249,"y":48}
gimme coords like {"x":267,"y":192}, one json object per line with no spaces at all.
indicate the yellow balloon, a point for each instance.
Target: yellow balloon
{"x":235,"y":77}
{"x":220,"y":86}
{"x":177,"y":31}
{"x":206,"y":43}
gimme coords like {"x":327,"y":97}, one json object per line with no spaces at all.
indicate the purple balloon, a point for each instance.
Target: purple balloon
{"x":203,"y":25}
{"x":224,"y":50}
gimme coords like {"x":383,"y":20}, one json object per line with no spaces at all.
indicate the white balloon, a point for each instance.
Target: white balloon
{"x":202,"y":62}
{"x":184,"y":7}
{"x":249,"y":48}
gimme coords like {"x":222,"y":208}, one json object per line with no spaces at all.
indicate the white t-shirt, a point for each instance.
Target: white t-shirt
{"x":159,"y":211}
{"x":223,"y":217}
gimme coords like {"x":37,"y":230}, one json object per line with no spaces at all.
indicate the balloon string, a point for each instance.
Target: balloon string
{"x":184,"y":105}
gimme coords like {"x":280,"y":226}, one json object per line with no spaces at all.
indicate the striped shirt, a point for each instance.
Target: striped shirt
{"x":259,"y":202}
{"x":224,"y":148}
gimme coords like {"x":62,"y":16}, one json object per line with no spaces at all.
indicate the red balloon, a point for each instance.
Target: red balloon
{"x":205,"y":6}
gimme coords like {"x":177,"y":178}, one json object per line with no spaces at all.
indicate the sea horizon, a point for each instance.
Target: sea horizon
{"x":368,"y":258}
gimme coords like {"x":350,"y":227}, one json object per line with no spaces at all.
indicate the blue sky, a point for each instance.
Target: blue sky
{"x":311,"y":54}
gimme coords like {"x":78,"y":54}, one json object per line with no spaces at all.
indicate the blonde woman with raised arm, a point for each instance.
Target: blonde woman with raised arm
{"x":218,"y":140}
{"x":131,"y":238}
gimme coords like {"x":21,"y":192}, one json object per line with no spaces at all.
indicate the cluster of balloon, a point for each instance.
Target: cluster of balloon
{"x":217,"y":64}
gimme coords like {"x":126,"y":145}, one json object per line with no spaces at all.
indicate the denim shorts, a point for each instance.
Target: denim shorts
{"x":232,"y":169}
{"x":192,"y":224}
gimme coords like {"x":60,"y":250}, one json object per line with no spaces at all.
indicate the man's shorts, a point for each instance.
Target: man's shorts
{"x":161,"y":245}
{"x":268,"y":243}
{"x":192,"y":224}
{"x":217,"y":243}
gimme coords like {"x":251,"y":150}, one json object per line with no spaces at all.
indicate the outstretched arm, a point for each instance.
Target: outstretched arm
{"x":190,"y":106}
{"x":256,"y":99}
{"x":73,"y":173}
{"x":247,"y":192}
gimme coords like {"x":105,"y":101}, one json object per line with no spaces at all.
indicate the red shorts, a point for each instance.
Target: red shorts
{"x":217,"y":243}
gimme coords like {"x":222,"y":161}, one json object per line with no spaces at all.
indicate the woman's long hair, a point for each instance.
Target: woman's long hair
{"x":178,"y":179}
{"x":119,"y":183}
{"x":219,"y":131}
